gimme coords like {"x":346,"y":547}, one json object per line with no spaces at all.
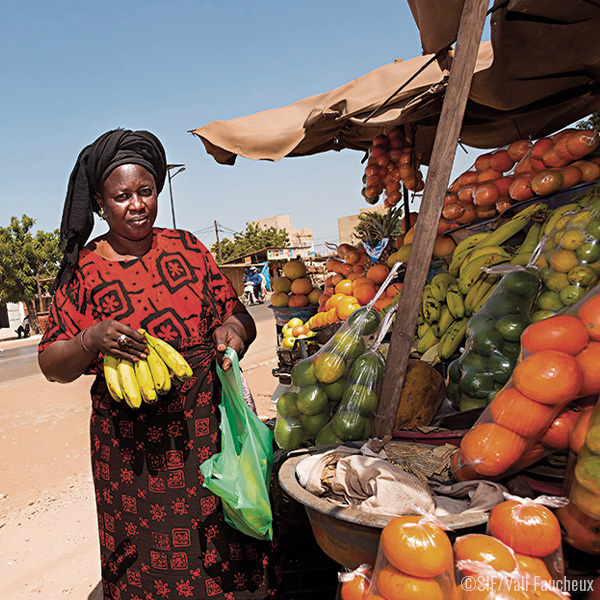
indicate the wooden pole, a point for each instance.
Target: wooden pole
{"x":442,"y":158}
{"x":218,"y":243}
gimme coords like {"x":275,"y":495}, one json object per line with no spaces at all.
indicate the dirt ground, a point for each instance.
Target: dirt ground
{"x":48,"y":539}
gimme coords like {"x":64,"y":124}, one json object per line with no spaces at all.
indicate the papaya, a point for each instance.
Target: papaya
{"x":422,"y":394}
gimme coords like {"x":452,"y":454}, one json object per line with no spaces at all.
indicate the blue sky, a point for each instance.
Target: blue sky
{"x":73,"y":70}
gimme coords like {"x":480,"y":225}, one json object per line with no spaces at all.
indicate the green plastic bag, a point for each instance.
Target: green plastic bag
{"x":240,"y":474}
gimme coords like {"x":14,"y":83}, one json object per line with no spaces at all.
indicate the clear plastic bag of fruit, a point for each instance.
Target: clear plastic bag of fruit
{"x":355,"y":584}
{"x":569,"y":253}
{"x":414,"y":560}
{"x":319,"y":382}
{"x":493,"y":334}
{"x":585,"y":485}
{"x":532,"y":531}
{"x":557,"y":365}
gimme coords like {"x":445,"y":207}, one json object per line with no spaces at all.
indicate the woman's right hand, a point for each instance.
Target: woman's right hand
{"x":105,"y":337}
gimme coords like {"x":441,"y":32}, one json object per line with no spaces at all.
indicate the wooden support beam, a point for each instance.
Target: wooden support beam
{"x":442,"y":158}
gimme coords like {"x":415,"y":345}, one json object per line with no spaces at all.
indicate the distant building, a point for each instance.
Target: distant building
{"x":347,"y":225}
{"x":301,"y":238}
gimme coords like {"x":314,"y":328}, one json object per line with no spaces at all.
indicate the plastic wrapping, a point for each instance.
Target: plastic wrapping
{"x":492,"y":345}
{"x":558,"y":364}
{"x":325,"y":382}
{"x":533,"y":532}
{"x":356,"y":583}
{"x":569,"y":253}
{"x":585,"y":487}
{"x":414,"y":561}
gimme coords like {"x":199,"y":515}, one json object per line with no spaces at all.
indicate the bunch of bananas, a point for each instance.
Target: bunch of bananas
{"x":452,"y":297}
{"x":145,"y":380}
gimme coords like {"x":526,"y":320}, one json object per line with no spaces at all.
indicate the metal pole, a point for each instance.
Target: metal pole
{"x":218,"y":243}
{"x":171,"y":196}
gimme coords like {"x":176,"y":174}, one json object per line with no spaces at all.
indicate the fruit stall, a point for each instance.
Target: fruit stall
{"x":486,"y":390}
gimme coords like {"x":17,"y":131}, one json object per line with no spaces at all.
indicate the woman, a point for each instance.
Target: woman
{"x":162,"y":534}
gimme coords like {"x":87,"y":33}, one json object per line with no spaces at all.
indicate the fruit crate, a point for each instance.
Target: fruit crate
{"x":284,"y":314}
{"x":287,"y":359}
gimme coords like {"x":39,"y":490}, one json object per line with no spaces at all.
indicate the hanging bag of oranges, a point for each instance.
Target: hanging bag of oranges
{"x":414,"y":561}
{"x":558,"y":365}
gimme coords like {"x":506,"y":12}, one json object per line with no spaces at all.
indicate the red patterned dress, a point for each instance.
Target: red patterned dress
{"x":162,"y":534}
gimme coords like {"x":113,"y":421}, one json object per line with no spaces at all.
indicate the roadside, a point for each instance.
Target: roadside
{"x":48,"y":538}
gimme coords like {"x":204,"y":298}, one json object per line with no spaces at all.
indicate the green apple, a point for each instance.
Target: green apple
{"x":288,"y":343}
{"x":295,"y":322}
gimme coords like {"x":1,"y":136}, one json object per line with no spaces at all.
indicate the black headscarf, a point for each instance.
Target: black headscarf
{"x":94,"y":164}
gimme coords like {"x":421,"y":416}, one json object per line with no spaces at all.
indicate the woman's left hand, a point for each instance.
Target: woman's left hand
{"x":225,"y":336}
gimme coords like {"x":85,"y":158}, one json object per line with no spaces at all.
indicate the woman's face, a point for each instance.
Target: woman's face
{"x":129,"y":201}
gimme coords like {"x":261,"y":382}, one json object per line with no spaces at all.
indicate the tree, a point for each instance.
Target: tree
{"x":23,"y":258}
{"x":253,"y":238}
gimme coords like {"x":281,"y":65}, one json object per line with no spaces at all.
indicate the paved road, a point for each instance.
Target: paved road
{"x":18,"y":359}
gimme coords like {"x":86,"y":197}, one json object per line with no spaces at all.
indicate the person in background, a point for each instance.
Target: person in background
{"x":162,"y":534}
{"x":23,"y":329}
{"x":257,"y":282}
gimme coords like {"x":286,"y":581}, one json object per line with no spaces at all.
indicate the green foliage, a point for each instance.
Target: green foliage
{"x":373,"y":227}
{"x":24,"y":255}
{"x":592,"y":122}
{"x":253,"y":238}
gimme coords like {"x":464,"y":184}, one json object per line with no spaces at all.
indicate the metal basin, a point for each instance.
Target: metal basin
{"x":349,"y":536}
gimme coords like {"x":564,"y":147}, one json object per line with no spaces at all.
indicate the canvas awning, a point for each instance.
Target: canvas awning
{"x":539,"y":73}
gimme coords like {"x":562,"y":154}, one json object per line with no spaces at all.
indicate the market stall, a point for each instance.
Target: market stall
{"x":523,"y":231}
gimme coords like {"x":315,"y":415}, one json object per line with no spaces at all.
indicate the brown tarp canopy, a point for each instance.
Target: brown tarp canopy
{"x":540,"y":73}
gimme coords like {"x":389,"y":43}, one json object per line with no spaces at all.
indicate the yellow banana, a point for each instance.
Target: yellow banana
{"x":478,"y":290}
{"x":510,"y":228}
{"x":431,"y":307}
{"x":452,"y":339}
{"x":145,"y":382}
{"x":455,"y":301}
{"x":472,"y":273}
{"x":483,"y":300}
{"x":458,"y":258}
{"x":427,"y":341}
{"x":159,"y":371}
{"x":556,"y":215}
{"x":129,"y":384}
{"x":477,"y":252}
{"x":112,"y":377}
{"x":439,"y":285}
{"x":176,"y":363}
{"x":446,"y":319}
{"x":470,"y":242}
{"x":521,"y":258}
{"x":422,"y":329}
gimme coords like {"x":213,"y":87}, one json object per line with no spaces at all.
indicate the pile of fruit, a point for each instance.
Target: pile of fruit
{"x":294,"y":289}
{"x":519,"y":172}
{"x":146,"y":379}
{"x":320,"y":382}
{"x":295,"y":329}
{"x":392,"y":163}
{"x":570,"y":253}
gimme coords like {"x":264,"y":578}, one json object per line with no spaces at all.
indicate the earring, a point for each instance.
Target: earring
{"x":101,"y":214}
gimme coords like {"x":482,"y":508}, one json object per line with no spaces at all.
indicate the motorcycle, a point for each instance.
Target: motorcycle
{"x":252,"y":293}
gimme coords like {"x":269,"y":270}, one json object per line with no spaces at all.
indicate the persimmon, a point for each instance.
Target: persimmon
{"x":520,"y":188}
{"x":557,"y":435}
{"x":393,"y":289}
{"x":549,"y":377}
{"x":501,"y":161}
{"x":540,"y":147}
{"x":582,"y":531}
{"x":484,"y":548}
{"x":357,"y":587}
{"x":443,"y":225}
{"x":335,"y":279}
{"x":452,"y":211}
{"x":571,"y":176}
{"x":491,"y":449}
{"x":519,"y":414}
{"x":364,"y":293}
{"x":396,"y":585}
{"x":345,"y":269}
{"x":526,"y":526}
{"x":469,"y":215}
{"x":482,"y":162}
{"x":518,"y":149}
{"x":589,"y":313}
{"x":533,"y":566}
{"x":378,"y":273}
{"x":333,"y":264}
{"x":359,"y":269}
{"x":486,"y":194}
{"x":579,"y":429}
{"x":589,"y":361}
{"x":488,"y":175}
{"x":503,"y":204}
{"x":530,"y":456}
{"x":565,"y":333}
{"x":460,"y":470}
{"x":582,"y":142}
{"x":416,"y":547}
{"x":382,"y":302}
{"x":467,"y":178}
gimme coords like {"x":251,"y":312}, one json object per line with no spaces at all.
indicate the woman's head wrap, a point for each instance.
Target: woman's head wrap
{"x":94,"y":164}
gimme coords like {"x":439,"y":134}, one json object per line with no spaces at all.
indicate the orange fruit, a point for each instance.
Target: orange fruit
{"x":364,"y":293}
{"x":491,"y":449}
{"x":557,"y":435}
{"x":484,"y":548}
{"x":549,"y":377}
{"x":589,"y":361}
{"x":530,"y":456}
{"x":393,"y":289}
{"x":345,"y":269}
{"x":527,"y":527}
{"x":357,"y":587}
{"x":358,"y":269}
{"x":417,"y":548}
{"x":345,"y":308}
{"x":582,"y":531}
{"x":589,"y":313}
{"x":516,"y":412}
{"x":333,"y":264}
{"x":579,"y":429}
{"x":344,"y":287}
{"x":461,"y":471}
{"x":534,"y":566}
{"x":333,"y":300}
{"x":378,"y":273}
{"x":395,"y":585}
{"x":331,"y":317}
{"x":561,"y":332}
{"x":335,"y":279}
{"x":382,"y":302}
